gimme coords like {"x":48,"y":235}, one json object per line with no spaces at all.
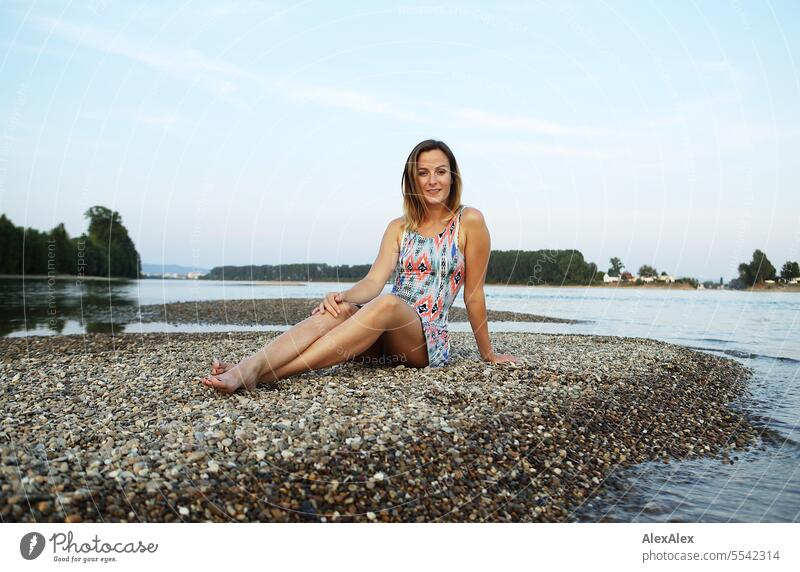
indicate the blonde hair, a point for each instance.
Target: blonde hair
{"x":414,"y":206}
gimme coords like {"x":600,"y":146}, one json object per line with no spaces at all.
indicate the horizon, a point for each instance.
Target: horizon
{"x":245,"y":134}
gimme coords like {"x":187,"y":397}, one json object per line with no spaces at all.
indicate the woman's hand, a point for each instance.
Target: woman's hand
{"x":501,"y":358}
{"x":330,"y":304}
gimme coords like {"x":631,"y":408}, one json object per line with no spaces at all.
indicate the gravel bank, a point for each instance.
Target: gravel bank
{"x":101,"y":428}
{"x":274,"y":311}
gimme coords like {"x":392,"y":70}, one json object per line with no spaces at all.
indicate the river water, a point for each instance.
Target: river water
{"x":759,"y":329}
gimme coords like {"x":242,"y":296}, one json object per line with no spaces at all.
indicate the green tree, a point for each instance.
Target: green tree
{"x":62,"y":250}
{"x":34,"y":251}
{"x":646,"y":270}
{"x":790,"y":270}
{"x":112,"y":251}
{"x":758,"y":270}
{"x":616,"y":267}
{"x":10,"y":247}
{"x":107,"y":250}
{"x":688,"y":280}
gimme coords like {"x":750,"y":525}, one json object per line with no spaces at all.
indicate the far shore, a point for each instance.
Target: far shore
{"x":64,"y":277}
{"x":673,"y":286}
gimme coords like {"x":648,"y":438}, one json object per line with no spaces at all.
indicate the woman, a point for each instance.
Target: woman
{"x":435,"y":247}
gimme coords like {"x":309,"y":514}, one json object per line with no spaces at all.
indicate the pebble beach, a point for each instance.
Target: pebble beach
{"x":102,"y":428}
{"x":268,"y":311}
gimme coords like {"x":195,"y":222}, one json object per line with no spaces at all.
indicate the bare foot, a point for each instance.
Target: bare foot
{"x":218,"y":367}
{"x":244,"y":374}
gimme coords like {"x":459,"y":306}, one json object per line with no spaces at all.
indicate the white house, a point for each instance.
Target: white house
{"x":607,"y":278}
{"x":665,"y":278}
{"x":193,"y":275}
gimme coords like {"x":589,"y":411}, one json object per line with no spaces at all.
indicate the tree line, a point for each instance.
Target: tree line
{"x":537,"y":267}
{"x":760,"y":269}
{"x":105,"y":249}
{"x":645,"y":271}
{"x":290,"y":272}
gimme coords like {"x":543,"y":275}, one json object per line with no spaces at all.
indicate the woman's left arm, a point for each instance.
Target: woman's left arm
{"x":476,"y":255}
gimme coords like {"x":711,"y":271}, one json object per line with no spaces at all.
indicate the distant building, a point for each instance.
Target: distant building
{"x":665,"y":278}
{"x":769,"y":282}
{"x":607,"y":278}
{"x":193,"y":275}
{"x":647,"y":278}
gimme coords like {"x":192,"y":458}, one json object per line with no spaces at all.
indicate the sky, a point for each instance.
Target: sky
{"x":662,"y":133}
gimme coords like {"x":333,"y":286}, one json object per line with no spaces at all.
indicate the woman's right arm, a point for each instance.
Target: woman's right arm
{"x":373,"y":283}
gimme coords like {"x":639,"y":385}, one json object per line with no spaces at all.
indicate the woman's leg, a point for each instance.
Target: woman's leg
{"x":386,"y":315}
{"x":289,"y":344}
{"x":302,"y":339}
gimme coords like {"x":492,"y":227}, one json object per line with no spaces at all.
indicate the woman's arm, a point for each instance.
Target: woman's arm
{"x":476,"y":255}
{"x":372,"y":284}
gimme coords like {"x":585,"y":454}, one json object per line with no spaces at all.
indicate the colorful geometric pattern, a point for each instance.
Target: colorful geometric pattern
{"x":430,"y":273}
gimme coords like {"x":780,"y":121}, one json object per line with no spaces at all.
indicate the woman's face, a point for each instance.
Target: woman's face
{"x":433,"y":176}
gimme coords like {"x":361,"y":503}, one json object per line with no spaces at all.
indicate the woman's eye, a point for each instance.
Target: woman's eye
{"x":422,"y":173}
{"x":441,"y":173}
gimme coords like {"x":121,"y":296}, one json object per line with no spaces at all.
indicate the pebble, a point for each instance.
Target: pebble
{"x":130,"y":424}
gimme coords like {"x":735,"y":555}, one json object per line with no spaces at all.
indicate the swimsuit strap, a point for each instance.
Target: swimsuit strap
{"x":458,"y":224}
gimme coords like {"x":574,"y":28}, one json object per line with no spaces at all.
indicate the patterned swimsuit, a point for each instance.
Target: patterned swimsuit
{"x":429,"y":275}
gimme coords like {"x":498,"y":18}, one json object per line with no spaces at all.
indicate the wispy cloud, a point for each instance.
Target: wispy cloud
{"x":149,"y":117}
{"x":343,"y":99}
{"x":216,"y":74}
{"x":723,"y":67}
{"x":157,"y":120}
{"x":528,"y":149}
{"x":481,"y":119}
{"x":213,"y":73}
{"x":225,"y":78}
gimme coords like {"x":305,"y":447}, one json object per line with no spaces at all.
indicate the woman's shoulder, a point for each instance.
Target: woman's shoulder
{"x":471,"y":215}
{"x":396,"y":228}
{"x":397,"y":223}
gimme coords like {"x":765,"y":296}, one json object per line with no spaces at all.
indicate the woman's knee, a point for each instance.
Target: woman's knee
{"x":388,"y":301}
{"x":383,"y":310}
{"x":346,"y":310}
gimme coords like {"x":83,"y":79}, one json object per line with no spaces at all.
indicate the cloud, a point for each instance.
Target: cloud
{"x":477,"y":118}
{"x":657,"y":136}
{"x":722,"y":67}
{"x":343,"y":99}
{"x":152,"y":118}
{"x":528,"y":149}
{"x":214,"y":74}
